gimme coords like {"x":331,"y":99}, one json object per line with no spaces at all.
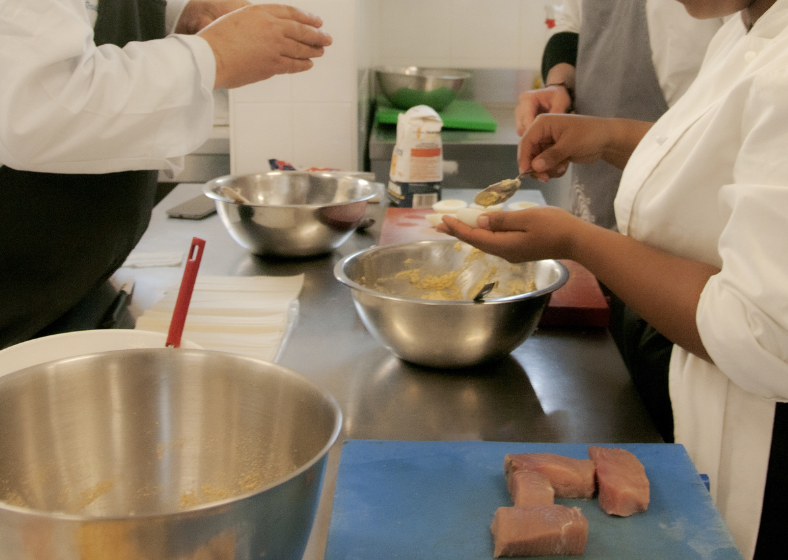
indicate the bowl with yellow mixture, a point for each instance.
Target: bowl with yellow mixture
{"x":161,"y":453}
{"x":417,"y":300}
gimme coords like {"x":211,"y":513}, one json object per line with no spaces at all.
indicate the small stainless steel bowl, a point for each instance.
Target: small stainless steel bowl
{"x":291,"y":213}
{"x":445,"y":334}
{"x":161,"y":453}
{"x":409,"y":86}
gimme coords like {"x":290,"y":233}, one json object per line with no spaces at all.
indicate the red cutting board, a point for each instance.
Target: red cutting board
{"x":579,"y":303}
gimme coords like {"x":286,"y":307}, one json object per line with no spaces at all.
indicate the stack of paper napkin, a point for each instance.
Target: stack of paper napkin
{"x":249,"y":315}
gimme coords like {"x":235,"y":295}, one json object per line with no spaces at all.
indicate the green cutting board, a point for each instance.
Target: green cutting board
{"x":460,"y":114}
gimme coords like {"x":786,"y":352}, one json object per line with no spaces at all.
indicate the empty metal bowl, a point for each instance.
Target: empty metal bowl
{"x":388,"y":296}
{"x":409,"y":86}
{"x":291,"y":213}
{"x":161,"y":453}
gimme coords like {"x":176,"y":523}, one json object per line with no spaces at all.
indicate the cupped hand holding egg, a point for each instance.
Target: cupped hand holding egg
{"x":469,"y":216}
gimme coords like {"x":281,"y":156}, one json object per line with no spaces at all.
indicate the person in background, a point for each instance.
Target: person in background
{"x":618,"y":58}
{"x":96,"y":98}
{"x":629,"y":59}
{"x":702,"y":254}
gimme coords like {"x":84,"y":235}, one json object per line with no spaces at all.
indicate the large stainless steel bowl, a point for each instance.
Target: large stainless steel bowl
{"x":291,"y":213}
{"x":446,"y":334}
{"x":409,"y":86}
{"x":160,"y":454}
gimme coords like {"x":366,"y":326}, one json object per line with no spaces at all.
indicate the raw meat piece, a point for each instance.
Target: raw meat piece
{"x":531,"y":488}
{"x":539,"y":531}
{"x":623,"y":484}
{"x":570,"y":478}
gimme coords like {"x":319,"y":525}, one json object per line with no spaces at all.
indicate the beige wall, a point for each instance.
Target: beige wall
{"x":318,"y":118}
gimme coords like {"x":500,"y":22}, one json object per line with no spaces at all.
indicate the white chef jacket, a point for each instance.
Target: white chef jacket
{"x":69,"y":106}
{"x":678,"y":41}
{"x":709,"y":182}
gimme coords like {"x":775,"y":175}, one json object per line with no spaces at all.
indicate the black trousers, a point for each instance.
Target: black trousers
{"x":646,"y":354}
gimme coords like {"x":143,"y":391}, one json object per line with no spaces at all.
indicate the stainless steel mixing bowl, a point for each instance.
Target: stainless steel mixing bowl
{"x":409,"y":86}
{"x":160,"y":454}
{"x":291,"y":213}
{"x":446,"y":334}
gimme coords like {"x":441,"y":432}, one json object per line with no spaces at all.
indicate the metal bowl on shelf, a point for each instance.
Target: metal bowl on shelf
{"x":161,"y":453}
{"x":409,"y":86}
{"x":392,"y":288}
{"x":291,"y":213}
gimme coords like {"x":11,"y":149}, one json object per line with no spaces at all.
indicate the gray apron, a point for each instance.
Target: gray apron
{"x":615,"y":77}
{"x":63,"y":235}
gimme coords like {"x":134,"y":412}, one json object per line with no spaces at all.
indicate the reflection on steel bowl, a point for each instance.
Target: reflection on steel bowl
{"x":291,"y":213}
{"x":409,"y":86}
{"x":161,"y":453}
{"x":440,"y":333}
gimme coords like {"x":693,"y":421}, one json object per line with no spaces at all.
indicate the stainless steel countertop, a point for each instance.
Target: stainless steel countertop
{"x":561,"y":385}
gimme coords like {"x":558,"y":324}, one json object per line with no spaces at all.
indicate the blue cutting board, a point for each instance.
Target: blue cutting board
{"x":436,"y":500}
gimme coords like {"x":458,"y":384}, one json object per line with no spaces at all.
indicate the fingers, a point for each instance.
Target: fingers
{"x":292,"y":13}
{"x":307,"y":34}
{"x":261,"y":40}
{"x":526,"y":111}
{"x":536,"y":102}
{"x":542,"y":150}
{"x":477,"y":237}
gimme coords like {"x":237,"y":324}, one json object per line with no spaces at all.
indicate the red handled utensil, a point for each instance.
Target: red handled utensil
{"x":185,"y":293}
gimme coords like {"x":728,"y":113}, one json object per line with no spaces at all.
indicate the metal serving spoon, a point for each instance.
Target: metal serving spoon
{"x":501,"y":191}
{"x":486,"y":289}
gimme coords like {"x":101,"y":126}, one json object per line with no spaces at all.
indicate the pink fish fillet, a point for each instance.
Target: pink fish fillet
{"x":623,"y":484}
{"x":570,"y":478}
{"x":531,"y":488}
{"x":539,"y":531}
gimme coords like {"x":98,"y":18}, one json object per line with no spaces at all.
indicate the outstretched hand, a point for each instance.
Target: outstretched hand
{"x":544,"y":232}
{"x":258,"y":41}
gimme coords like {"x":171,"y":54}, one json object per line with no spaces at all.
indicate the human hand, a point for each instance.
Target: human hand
{"x":532,"y":103}
{"x":198,"y":14}
{"x":258,"y":41}
{"x":544,"y":232}
{"x":553,"y":141}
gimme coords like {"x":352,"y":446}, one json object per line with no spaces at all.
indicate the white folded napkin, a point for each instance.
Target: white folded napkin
{"x":144,"y":260}
{"x":250,"y":315}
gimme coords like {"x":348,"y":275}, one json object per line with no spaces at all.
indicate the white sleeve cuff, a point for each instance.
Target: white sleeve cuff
{"x":203,"y":55}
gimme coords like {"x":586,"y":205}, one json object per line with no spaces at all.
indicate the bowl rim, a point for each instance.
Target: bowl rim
{"x":60,"y":346}
{"x":341,"y":275}
{"x":450,"y":73}
{"x":212,"y":505}
{"x":209,"y":188}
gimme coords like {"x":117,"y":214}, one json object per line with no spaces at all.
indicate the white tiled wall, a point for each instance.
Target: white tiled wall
{"x":462,"y":33}
{"x":318,"y":118}
{"x":308,"y":119}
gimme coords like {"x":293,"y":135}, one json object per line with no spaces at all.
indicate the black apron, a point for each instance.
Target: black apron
{"x":63,"y":235}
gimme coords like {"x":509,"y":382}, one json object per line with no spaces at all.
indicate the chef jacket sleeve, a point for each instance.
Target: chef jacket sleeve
{"x":568,"y":15}
{"x":562,"y":44}
{"x":71,"y":107}
{"x":743,"y":311}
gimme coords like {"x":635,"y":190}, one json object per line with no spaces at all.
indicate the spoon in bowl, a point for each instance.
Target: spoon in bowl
{"x":501,"y":191}
{"x":486,"y":289}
